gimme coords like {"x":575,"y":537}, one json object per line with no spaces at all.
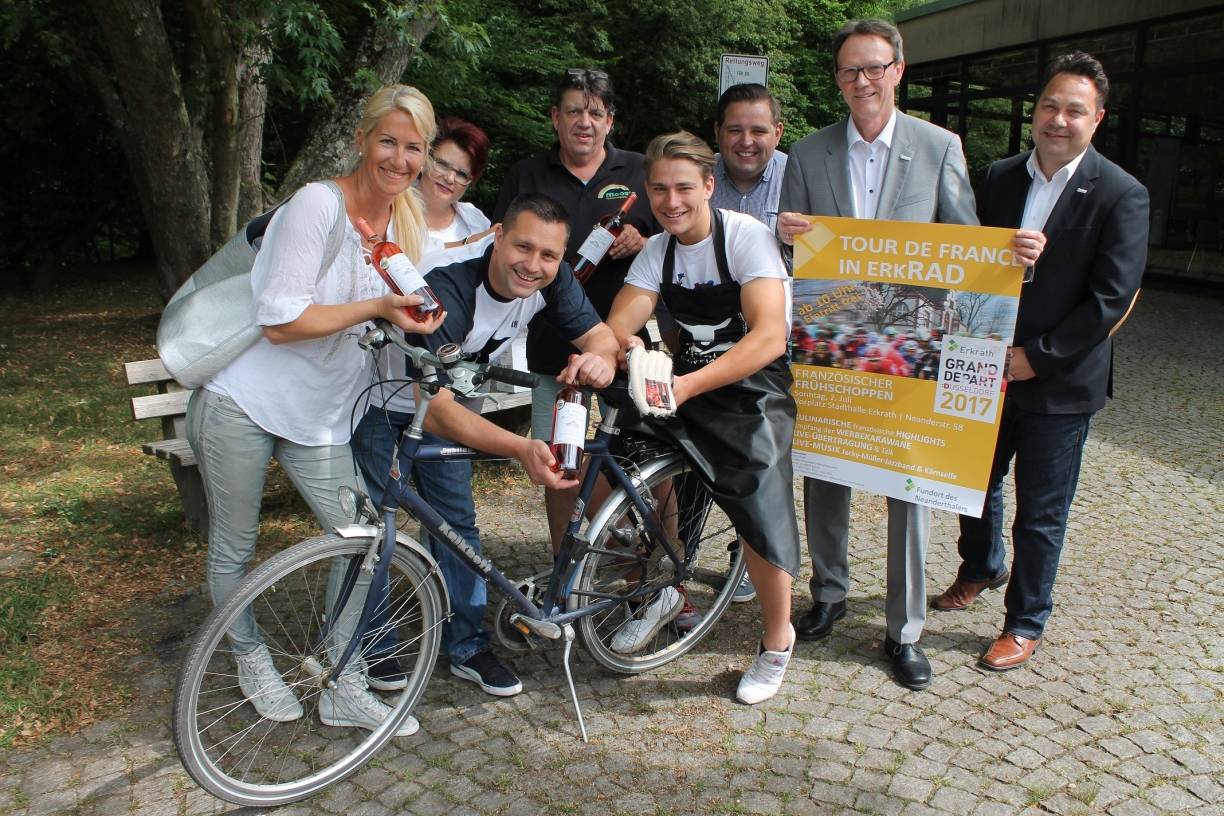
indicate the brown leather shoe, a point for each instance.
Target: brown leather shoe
{"x":962,"y":592}
{"x":1009,"y":651}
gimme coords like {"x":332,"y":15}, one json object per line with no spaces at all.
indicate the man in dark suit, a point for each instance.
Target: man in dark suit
{"x":1095,"y":219}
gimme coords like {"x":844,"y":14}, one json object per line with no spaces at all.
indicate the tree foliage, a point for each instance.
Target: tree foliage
{"x":191,"y":115}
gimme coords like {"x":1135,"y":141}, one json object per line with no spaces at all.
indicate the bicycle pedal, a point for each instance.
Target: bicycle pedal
{"x":312,"y":671}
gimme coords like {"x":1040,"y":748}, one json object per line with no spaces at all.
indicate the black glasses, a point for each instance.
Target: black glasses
{"x":846,"y":76}
{"x":444,"y":169}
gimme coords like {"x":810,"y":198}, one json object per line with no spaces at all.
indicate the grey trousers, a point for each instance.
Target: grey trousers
{"x":233,"y":454}
{"x":827,"y":519}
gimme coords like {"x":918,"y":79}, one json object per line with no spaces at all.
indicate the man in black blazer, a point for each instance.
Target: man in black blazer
{"x":1095,"y":219}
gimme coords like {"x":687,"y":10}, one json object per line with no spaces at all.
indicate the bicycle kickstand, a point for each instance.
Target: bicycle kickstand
{"x":565,"y":659}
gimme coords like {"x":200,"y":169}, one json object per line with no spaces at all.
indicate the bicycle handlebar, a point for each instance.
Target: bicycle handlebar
{"x":512,"y":376}
{"x":465,"y":376}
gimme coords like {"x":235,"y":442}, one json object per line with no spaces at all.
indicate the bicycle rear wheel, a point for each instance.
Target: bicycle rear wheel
{"x":625,"y":558}
{"x":239,"y":756}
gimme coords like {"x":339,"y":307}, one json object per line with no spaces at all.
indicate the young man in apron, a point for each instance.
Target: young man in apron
{"x":720,"y":275}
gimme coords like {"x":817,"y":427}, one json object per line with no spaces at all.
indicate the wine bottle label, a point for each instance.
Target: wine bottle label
{"x":569,"y":424}
{"x":596,"y":245}
{"x":404,"y":273}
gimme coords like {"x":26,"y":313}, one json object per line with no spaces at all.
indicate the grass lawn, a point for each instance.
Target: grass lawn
{"x":92,"y":537}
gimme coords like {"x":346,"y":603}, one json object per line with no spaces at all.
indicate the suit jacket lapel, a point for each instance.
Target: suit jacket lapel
{"x":899,"y":159}
{"x":838,"y":174}
{"x":1012,"y":194}
{"x":1075,"y":195}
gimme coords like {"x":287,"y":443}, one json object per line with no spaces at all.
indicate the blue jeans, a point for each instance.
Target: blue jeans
{"x":447,"y":488}
{"x":1047,"y":449}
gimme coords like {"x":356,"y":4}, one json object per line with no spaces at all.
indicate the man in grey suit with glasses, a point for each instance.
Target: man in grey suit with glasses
{"x":877,"y":163}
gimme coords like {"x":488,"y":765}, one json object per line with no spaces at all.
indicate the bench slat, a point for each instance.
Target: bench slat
{"x":172,"y":450}
{"x":146,"y":371}
{"x":160,"y":405}
{"x":504,"y":400}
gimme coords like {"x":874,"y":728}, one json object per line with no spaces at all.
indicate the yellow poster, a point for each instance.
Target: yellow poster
{"x":899,"y":336}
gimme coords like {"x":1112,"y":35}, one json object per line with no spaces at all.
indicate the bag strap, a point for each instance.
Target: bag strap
{"x":258,"y":225}
{"x":335,"y":238}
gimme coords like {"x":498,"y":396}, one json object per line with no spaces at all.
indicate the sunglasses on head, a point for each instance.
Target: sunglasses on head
{"x":585,"y":75}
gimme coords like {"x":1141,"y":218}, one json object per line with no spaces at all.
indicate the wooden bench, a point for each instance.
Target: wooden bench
{"x":169,"y":405}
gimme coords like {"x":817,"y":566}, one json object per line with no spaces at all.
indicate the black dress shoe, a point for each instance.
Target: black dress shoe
{"x":910,"y":666}
{"x":818,"y":621}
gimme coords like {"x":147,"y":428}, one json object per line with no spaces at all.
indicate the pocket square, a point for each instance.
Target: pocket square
{"x":1081,"y":190}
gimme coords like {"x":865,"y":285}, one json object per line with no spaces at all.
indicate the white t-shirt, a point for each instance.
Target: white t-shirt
{"x":752,"y":252}
{"x":304,"y":391}
{"x":469,"y":220}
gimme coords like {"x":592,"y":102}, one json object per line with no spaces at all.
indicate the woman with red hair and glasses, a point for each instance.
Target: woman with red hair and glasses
{"x":459,"y":155}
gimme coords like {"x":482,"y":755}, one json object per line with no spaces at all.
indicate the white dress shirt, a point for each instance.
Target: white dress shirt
{"x":1043,"y":194}
{"x":866,"y":163}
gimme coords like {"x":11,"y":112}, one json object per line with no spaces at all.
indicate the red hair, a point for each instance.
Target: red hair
{"x":469,"y":138}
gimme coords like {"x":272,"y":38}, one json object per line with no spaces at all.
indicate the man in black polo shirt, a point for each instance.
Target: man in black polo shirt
{"x":591,"y":179}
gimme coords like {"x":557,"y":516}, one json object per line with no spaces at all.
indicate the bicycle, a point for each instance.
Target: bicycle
{"x":657,"y":532}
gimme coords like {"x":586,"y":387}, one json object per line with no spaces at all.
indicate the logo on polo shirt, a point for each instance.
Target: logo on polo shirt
{"x":613,"y":192}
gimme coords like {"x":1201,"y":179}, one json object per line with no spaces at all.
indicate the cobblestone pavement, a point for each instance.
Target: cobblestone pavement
{"x":1120,"y":712}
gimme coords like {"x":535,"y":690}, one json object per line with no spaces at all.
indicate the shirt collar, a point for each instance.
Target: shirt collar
{"x":885,"y":137}
{"x":1063,"y":173}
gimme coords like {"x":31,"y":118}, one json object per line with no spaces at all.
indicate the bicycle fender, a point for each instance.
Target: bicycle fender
{"x":402,"y":539}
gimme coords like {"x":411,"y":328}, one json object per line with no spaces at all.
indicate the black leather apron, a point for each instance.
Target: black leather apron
{"x":738,"y":437}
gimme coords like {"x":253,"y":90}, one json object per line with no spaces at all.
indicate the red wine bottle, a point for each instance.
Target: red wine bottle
{"x":399,"y":273}
{"x":570,"y":414}
{"x":602,"y":235}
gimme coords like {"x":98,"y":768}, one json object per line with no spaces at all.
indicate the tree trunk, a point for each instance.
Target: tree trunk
{"x":219,"y":67}
{"x":253,"y":102}
{"x":162,"y":148}
{"x":384,"y":52}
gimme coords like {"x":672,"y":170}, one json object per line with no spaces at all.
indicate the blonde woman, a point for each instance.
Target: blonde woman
{"x":290,"y":395}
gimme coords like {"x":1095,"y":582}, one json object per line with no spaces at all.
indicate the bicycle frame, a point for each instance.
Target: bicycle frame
{"x":398,"y":492}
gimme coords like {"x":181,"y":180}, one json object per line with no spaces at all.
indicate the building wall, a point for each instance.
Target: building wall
{"x":953,"y":28}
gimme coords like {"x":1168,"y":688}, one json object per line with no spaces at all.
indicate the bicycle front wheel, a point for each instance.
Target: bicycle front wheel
{"x":237,"y":754}
{"x":633,"y":636}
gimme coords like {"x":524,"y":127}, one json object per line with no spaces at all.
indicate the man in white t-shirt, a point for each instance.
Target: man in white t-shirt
{"x":721,"y":277}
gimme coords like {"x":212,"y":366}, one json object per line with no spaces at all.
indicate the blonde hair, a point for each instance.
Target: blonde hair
{"x":407,"y":210}
{"x":680,"y":145}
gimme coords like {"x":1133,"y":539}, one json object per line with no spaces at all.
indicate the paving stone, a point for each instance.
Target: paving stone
{"x":954,"y":800}
{"x":908,"y":787}
{"x":1170,"y":798}
{"x":1132,"y":807}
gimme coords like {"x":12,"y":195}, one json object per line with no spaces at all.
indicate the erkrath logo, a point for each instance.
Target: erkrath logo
{"x":953,"y":345}
{"x":909,"y":485}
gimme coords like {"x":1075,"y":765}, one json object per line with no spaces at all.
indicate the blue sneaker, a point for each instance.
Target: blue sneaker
{"x":745,"y":592}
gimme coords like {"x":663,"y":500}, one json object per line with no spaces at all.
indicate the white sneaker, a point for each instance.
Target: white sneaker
{"x":350,"y":704}
{"x":635,"y":634}
{"x":764,"y":676}
{"x":264,"y":687}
